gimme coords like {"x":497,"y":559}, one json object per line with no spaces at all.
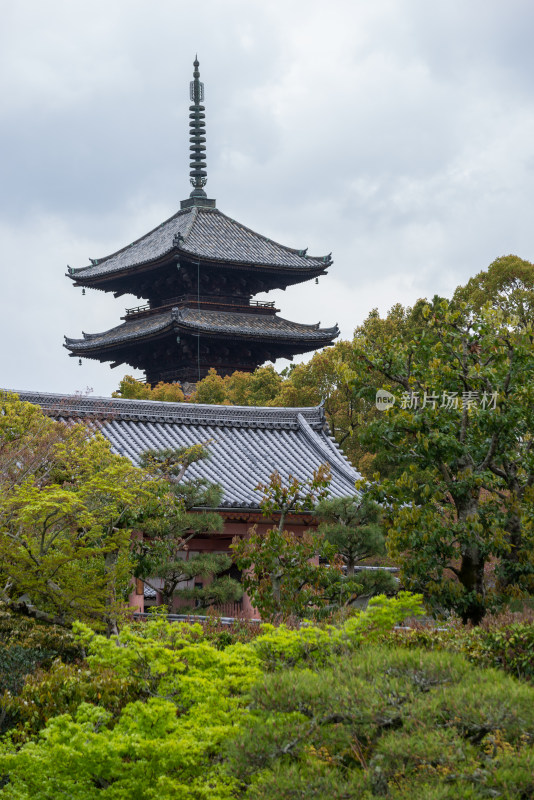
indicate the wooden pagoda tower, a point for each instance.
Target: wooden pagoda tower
{"x":197,"y":273}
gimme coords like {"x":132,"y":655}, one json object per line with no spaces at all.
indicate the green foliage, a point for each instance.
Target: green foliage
{"x":150,"y":753}
{"x":377,"y":723}
{"x":456,"y":489}
{"x":67,"y":506}
{"x":279,"y":573}
{"x":508,"y":284}
{"x":16,"y":662}
{"x":132,"y":389}
{"x":62,"y":689}
{"x":161,"y":712}
{"x":352,"y":525}
{"x":281,"y":647}
{"x":511,"y":648}
{"x":163,"y":549}
{"x":100,"y":740}
{"x":218,"y":589}
{"x":241,"y":631}
{"x":22,"y":631}
{"x":294,"y":496}
{"x":258,"y":388}
{"x":508,"y":647}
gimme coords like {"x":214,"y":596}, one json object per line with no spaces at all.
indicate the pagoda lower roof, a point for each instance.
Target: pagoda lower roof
{"x":211,"y":323}
{"x":202,"y":234}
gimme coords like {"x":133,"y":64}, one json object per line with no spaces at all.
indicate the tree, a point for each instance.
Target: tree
{"x":508,"y":287}
{"x":463,"y":412}
{"x":67,"y":509}
{"x":282,"y":575}
{"x":507,"y":284}
{"x":132,"y":389}
{"x":166,"y":702}
{"x":168,"y":714}
{"x":258,"y":388}
{"x":321,"y":380}
{"x":352,"y":525}
{"x":162,"y":551}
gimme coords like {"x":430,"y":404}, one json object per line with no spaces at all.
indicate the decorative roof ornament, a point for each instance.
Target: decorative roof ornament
{"x":197,"y":130}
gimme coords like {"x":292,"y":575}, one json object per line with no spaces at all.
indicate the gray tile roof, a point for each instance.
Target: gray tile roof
{"x":131,"y":330}
{"x":246,"y":443}
{"x":236,"y":324}
{"x":207,"y":234}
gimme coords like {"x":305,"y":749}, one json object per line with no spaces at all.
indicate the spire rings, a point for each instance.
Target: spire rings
{"x":197,"y":132}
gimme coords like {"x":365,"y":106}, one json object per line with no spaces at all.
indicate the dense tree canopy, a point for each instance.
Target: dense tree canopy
{"x":327,"y":712}
{"x":456,"y":447}
{"x":67,"y":509}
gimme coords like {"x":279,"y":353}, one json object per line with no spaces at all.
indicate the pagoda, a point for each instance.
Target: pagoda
{"x":197,"y":273}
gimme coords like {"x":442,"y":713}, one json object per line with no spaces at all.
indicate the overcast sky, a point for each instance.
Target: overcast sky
{"x":398,"y":134}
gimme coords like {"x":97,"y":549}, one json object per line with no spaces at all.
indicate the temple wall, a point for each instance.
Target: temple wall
{"x":220,"y":543}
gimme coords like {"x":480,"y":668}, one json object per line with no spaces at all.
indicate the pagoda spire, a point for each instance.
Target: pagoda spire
{"x":198,"y":175}
{"x":197,"y":130}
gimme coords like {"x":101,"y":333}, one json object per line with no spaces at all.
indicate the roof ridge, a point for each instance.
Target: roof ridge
{"x":191,"y":222}
{"x":179,"y":413}
{"x":327,"y":450}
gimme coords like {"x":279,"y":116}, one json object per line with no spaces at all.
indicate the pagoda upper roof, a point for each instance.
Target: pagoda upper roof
{"x":246,"y":442}
{"x":218,"y":323}
{"x":206,"y":234}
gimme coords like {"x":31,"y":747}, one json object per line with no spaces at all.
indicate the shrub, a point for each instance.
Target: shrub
{"x":25,"y":647}
{"x":510,"y":648}
{"x":20,"y":631}
{"x":377,"y":723}
{"x":281,"y":647}
{"x":61,"y":690}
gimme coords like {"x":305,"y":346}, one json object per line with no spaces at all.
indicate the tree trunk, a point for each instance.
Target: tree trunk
{"x":472,"y":579}
{"x":511,"y":572}
{"x":112,"y":627}
{"x":471,"y":574}
{"x":276,"y":582}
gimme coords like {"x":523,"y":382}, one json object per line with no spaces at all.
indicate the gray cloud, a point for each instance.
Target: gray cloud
{"x":397,"y":133}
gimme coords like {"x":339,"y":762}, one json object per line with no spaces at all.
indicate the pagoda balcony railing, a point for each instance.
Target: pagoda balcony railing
{"x":137,"y":310}
{"x":191,"y":299}
{"x":262,"y":303}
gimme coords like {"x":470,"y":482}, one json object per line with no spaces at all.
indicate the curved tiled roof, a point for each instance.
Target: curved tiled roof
{"x":238,"y":324}
{"x":131,"y":330}
{"x":207,"y":234}
{"x":246,"y":443}
{"x":223,"y":323}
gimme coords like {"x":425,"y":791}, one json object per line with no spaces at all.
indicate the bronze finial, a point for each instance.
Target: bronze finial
{"x":197,"y":130}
